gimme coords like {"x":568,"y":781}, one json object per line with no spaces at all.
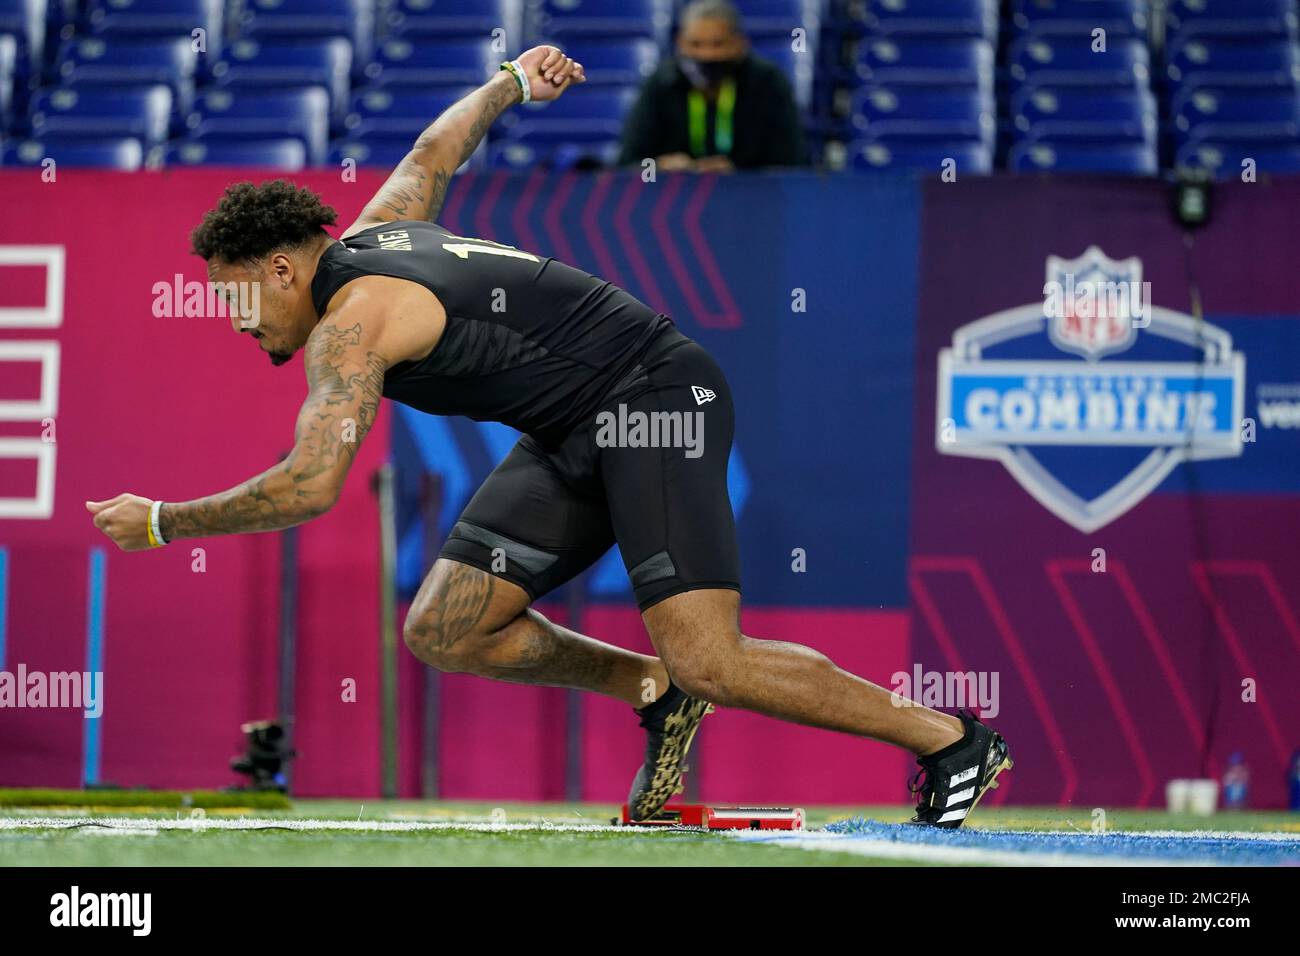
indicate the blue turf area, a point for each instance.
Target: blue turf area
{"x":1202,"y":847}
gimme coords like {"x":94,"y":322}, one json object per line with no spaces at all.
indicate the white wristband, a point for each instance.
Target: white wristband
{"x":516,"y":69}
{"x":155,"y":513}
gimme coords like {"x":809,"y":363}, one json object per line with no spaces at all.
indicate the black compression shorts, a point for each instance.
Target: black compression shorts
{"x":649,"y":471}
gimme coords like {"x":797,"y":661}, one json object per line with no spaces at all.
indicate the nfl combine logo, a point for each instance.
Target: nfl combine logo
{"x":1093,"y":396}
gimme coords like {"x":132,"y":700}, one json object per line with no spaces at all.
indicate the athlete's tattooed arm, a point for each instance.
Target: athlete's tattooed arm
{"x":345,"y":377}
{"x":417,"y":187}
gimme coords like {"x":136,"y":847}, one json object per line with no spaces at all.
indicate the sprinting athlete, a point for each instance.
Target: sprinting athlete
{"x":627,"y":427}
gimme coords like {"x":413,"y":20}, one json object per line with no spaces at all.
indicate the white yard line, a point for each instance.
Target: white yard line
{"x":358,"y":826}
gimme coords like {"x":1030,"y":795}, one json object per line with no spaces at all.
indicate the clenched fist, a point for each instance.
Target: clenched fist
{"x":549,"y":72}
{"x":125,"y":519}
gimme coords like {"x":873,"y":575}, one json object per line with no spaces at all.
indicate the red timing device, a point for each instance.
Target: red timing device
{"x":719,"y":818}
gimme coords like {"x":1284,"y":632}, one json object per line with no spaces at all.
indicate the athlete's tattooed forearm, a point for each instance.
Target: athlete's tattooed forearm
{"x":418,"y":186}
{"x":346,"y":384}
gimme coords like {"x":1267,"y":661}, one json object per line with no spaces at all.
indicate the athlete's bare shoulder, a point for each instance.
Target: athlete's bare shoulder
{"x":400,"y":315}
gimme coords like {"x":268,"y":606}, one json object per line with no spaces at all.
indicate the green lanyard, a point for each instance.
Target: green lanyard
{"x":697,"y":113}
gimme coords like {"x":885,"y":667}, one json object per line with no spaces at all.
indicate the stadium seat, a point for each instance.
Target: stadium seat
{"x":906,"y":61}
{"x":397,"y":113}
{"x":777,"y":18}
{"x":235,"y":114}
{"x":1070,"y":61}
{"x":257,"y":65}
{"x":1130,"y":159}
{"x":24,"y":20}
{"x":382,"y":152}
{"x":971,"y":157}
{"x":120,"y":153}
{"x":446,"y":62}
{"x":159,"y":18}
{"x":1225,"y":160}
{"x":945,"y":18}
{"x":1081,"y":17}
{"x":613,"y":62}
{"x":1080,"y":113}
{"x":119,"y":61}
{"x":520,"y":156}
{"x":288,"y":155}
{"x":456,"y":18}
{"x":582,"y":116}
{"x":387,"y":153}
{"x":915,"y":113}
{"x":565,"y":20}
{"x":1198,"y":63}
{"x":1235,"y":116}
{"x":141,"y":113}
{"x":1244,"y":19}
{"x":354,"y":20}
{"x":798,"y":67}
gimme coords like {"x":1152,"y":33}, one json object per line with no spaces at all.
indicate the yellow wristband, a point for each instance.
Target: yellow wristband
{"x":153,"y":542}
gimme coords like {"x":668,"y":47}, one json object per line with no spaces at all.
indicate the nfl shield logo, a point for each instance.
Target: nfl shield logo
{"x":1094,"y":305}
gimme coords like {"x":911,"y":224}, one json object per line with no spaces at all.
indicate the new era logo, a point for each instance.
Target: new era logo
{"x":703,"y":395}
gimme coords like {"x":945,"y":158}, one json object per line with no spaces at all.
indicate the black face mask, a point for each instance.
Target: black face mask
{"x":707,"y":74}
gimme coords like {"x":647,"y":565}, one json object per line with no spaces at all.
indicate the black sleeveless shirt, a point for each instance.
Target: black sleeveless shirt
{"x":529,"y":341}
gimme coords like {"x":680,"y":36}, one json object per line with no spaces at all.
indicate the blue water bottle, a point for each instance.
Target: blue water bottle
{"x":1236,"y":783}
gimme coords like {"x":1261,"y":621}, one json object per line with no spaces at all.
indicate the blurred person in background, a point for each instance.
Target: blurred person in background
{"x":716,"y":106}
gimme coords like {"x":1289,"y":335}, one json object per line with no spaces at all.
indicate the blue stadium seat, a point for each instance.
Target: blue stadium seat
{"x":354,"y":20}
{"x":1081,"y":17}
{"x":1198,"y":63}
{"x":1233,"y":116}
{"x":777,"y":18}
{"x":448,"y":62}
{"x":798,"y":67}
{"x":1070,"y":61}
{"x":1081,"y":113}
{"x":947,"y":18}
{"x":382,"y":152}
{"x":915,"y":113}
{"x":122,"y":153}
{"x":288,"y":155}
{"x":1244,"y":19}
{"x":1224,"y":160}
{"x":24,"y":20}
{"x":387,"y":153}
{"x":154,"y":18}
{"x":141,"y":113}
{"x":231,"y":114}
{"x":521,"y":155}
{"x":564,"y":20}
{"x":101,"y":61}
{"x":971,"y":157}
{"x":456,"y":18}
{"x":884,"y":61}
{"x":397,"y":113}
{"x":580,"y":116}
{"x":276,"y":64}
{"x":1131,"y":159}
{"x":622,"y":61}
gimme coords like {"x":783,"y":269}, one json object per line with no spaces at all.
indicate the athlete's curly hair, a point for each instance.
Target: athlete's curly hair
{"x":252,"y":221}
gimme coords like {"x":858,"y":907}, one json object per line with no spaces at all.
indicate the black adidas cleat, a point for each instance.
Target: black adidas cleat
{"x":957,"y":776}
{"x":670,"y":724}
